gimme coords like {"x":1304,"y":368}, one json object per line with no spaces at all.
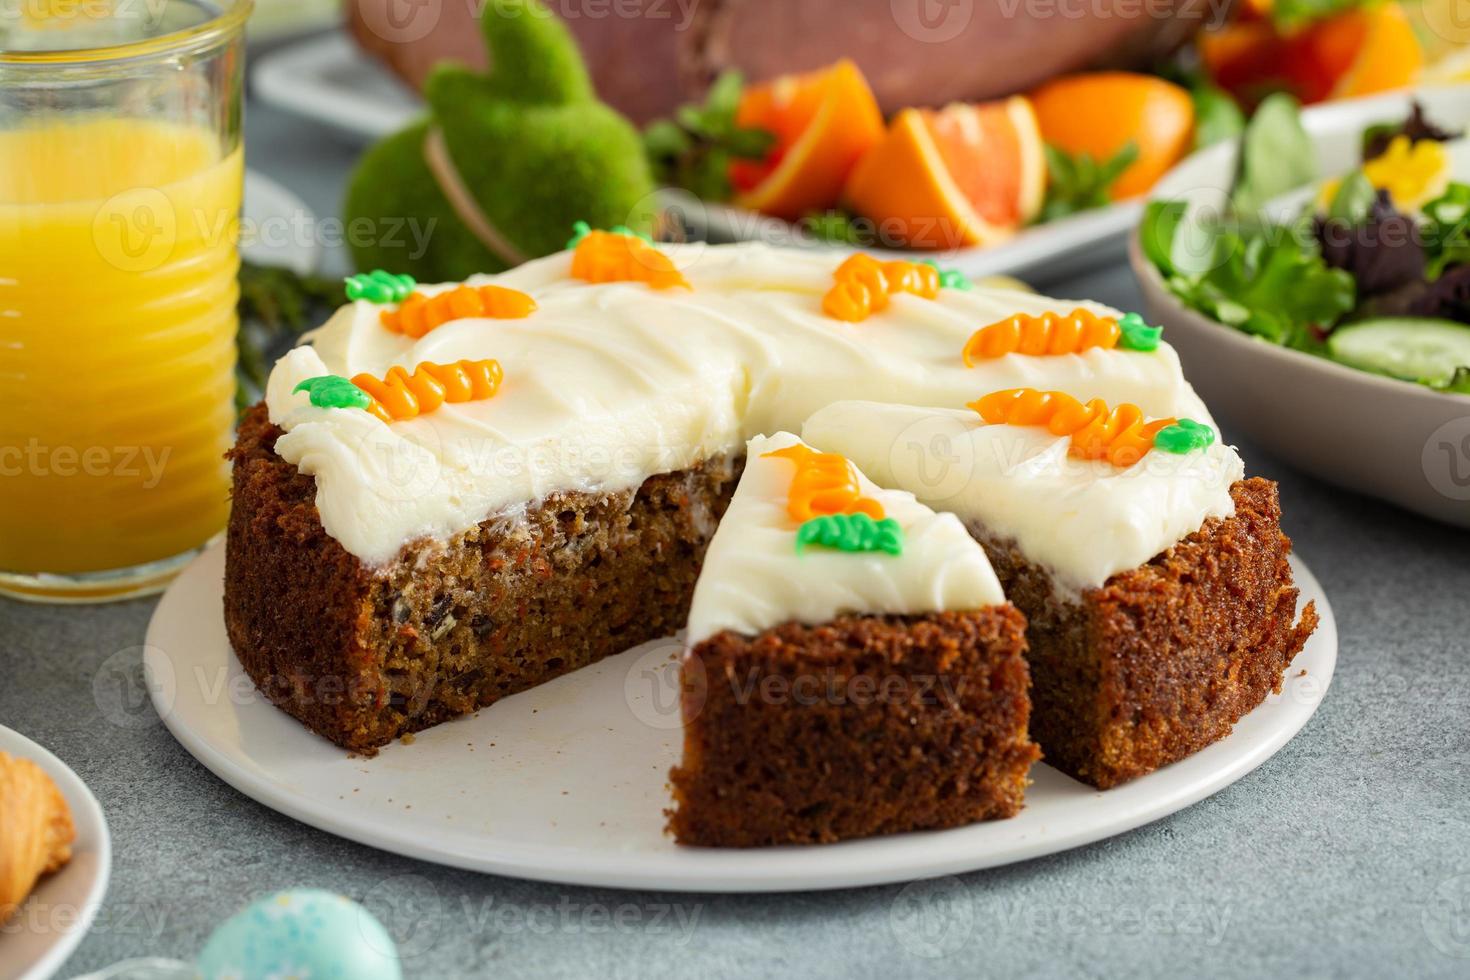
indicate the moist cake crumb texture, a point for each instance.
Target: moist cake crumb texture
{"x":860,"y":726}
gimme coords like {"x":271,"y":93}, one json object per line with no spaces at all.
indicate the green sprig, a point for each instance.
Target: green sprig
{"x":333,"y":391}
{"x":379,"y":286}
{"x":694,"y":149}
{"x":851,"y":532}
{"x":1184,"y":436}
{"x":1078,"y":182}
{"x":1137,"y":334}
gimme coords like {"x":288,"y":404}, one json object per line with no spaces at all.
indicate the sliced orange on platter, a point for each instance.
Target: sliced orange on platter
{"x":1101,"y":112}
{"x":823,"y":121}
{"x":958,"y":176}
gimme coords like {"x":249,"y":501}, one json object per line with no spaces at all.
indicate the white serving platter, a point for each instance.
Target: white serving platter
{"x":567,"y":782}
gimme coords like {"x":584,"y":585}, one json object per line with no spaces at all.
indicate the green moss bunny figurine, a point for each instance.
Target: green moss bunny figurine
{"x":504,"y":164}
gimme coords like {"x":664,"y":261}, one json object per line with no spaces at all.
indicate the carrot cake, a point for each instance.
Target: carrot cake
{"x":474,"y":487}
{"x":1153,"y":575}
{"x":852,"y":666}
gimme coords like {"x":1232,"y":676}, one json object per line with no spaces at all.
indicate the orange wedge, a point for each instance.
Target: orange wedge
{"x":1358,"y":52}
{"x":823,"y":122}
{"x":1100,"y":112}
{"x":962,"y":175}
{"x":1364,"y":51}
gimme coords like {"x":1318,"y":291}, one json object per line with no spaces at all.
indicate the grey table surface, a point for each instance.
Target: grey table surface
{"x":1346,"y":854}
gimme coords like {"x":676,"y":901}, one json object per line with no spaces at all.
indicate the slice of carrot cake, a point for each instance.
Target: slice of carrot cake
{"x":852,"y":666}
{"x":1152,"y":573}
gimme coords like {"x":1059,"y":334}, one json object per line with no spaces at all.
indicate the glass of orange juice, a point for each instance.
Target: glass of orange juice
{"x":120,"y":183}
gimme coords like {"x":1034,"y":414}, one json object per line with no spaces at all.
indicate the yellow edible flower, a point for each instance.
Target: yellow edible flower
{"x":1412,"y":173}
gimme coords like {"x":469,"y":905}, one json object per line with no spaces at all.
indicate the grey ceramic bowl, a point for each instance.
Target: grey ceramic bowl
{"x":1390,"y":439}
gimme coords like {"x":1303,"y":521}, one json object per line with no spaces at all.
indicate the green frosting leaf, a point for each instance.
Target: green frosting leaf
{"x":379,"y":286}
{"x":334,"y":391}
{"x":1137,"y":334}
{"x":851,"y":532}
{"x":1184,"y":436}
{"x":581,"y":229}
{"x":951,"y":278}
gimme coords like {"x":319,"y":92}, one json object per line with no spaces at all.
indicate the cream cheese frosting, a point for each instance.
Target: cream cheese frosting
{"x":607,"y":384}
{"x":754,"y":579}
{"x":1084,"y":519}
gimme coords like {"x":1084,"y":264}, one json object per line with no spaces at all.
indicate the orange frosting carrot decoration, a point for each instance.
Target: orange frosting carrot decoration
{"x":1121,"y":436}
{"x":825,"y":483}
{"x":1047,"y":334}
{"x":605,"y":256}
{"x":418,"y":314}
{"x":863,"y":284}
{"x":400,"y":395}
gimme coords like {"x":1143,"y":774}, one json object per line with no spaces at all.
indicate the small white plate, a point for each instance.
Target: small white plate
{"x":333,"y":81}
{"x":567,"y":782}
{"x":329,"y":79}
{"x":51,"y":923}
{"x":277,"y":228}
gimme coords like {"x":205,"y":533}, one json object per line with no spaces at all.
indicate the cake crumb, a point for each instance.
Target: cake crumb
{"x":408,"y":739}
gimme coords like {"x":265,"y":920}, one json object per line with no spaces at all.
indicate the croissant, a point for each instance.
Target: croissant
{"x":36,"y":830}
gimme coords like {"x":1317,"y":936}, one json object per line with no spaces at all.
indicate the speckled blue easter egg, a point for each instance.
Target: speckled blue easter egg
{"x":305,"y":932}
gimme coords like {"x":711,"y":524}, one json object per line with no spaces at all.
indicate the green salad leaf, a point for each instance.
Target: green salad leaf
{"x":1458,"y":384}
{"x":1078,"y":182}
{"x":1354,"y":199}
{"x":1262,"y":279}
{"x":1447,"y":230}
{"x":1276,"y":155}
{"x":1217,"y":116}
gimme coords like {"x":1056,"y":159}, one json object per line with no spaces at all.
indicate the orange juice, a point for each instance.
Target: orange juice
{"x":117,"y":341}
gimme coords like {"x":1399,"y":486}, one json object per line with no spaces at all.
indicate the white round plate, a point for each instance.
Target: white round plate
{"x":51,"y":923}
{"x":277,"y":228}
{"x":567,"y":782}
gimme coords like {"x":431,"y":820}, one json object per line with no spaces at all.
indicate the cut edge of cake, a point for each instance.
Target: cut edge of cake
{"x":1158,"y":660}
{"x":871,"y":691}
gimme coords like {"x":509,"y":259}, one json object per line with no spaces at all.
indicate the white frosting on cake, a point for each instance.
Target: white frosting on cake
{"x":608,"y":384}
{"x":1084,"y":519}
{"x":753,"y":578}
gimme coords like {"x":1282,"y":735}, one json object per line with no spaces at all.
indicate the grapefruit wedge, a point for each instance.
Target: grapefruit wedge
{"x":1357,"y":52}
{"x":823,"y":122}
{"x":962,"y":175}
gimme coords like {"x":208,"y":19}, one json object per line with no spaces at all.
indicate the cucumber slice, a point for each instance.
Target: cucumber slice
{"x":1411,"y":348}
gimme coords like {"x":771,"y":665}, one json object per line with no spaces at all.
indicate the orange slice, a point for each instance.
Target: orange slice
{"x":1098,"y":113}
{"x":1365,"y":51}
{"x":823,"y":122}
{"x":962,"y":175}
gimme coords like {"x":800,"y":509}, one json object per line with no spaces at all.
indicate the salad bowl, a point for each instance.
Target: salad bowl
{"x":1388,"y":438}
